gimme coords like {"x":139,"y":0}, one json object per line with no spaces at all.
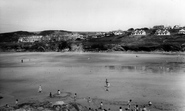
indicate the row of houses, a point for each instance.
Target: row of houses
{"x":167,"y":27}
{"x":158,"y":32}
{"x":106,"y":34}
{"x":162,"y":32}
{"x":138,"y":32}
{"x":118,"y":32}
{"x":74,"y":36}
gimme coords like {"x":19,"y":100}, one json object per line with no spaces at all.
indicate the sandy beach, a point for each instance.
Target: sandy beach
{"x":159,"y":78}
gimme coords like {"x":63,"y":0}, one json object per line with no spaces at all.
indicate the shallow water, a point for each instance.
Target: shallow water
{"x":156,"y":77}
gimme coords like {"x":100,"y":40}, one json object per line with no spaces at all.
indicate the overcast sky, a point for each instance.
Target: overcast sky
{"x":88,"y":15}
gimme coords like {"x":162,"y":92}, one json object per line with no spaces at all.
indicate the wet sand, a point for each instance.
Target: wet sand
{"x":141,"y":77}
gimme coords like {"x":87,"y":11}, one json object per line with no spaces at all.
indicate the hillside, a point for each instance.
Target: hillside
{"x":60,"y":40}
{"x":144,"y":43}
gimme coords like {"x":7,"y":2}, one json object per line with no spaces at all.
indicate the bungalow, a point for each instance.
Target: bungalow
{"x":118,"y":32}
{"x":162,"y":32}
{"x":138,"y":32}
{"x":182,"y":31}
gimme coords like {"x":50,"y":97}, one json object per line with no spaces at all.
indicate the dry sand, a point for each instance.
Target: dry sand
{"x":159,"y":78}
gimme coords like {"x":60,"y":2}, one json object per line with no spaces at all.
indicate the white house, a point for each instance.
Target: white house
{"x":118,"y":32}
{"x":182,"y":31}
{"x":138,"y":32}
{"x":162,"y":32}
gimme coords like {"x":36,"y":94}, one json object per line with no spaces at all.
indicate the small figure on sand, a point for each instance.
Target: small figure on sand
{"x":89,"y":100}
{"x":120,"y":109}
{"x":7,"y":106}
{"x":16,"y":101}
{"x":40,"y":89}
{"x":129,"y":103}
{"x":90,"y":109}
{"x":106,"y":81}
{"x":149,"y":103}
{"x":58,"y":92}
{"x":101,"y":105}
{"x":21,"y":60}
{"x":107,"y":85}
{"x":75,"y":97}
{"x":136,"y":108}
{"x":144,"y":108}
{"x":50,"y":95}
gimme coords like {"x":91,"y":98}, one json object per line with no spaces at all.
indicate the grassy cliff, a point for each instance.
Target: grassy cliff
{"x":124,"y":42}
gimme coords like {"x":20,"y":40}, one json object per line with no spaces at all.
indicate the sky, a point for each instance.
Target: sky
{"x":89,"y":15}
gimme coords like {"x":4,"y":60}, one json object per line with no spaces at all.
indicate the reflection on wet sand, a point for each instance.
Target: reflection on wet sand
{"x":153,"y":68}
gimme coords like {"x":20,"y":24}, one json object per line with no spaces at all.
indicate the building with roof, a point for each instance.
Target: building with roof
{"x":182,"y":31}
{"x":118,"y":32}
{"x":138,"y":32}
{"x":162,"y":32}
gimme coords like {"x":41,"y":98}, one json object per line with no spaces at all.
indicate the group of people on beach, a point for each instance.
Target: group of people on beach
{"x":50,"y":94}
{"x":89,"y":100}
{"x":101,"y":106}
{"x":129,"y":108}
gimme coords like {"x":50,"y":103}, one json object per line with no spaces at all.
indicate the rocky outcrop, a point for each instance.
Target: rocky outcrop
{"x":44,"y":106}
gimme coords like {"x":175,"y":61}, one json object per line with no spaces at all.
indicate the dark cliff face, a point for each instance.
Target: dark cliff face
{"x":124,"y":42}
{"x":13,"y":36}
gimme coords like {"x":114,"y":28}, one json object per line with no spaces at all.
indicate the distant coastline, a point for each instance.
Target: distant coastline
{"x":103,"y":52}
{"x":156,"y":39}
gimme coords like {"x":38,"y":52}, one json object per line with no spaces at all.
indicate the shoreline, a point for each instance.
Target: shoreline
{"x":113,"y":52}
